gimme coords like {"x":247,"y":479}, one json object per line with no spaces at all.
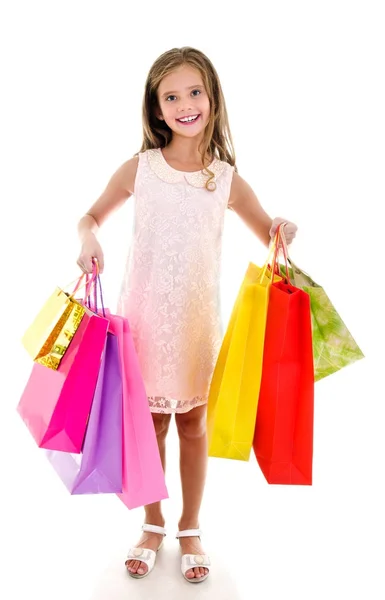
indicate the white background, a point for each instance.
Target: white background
{"x":304,"y":86}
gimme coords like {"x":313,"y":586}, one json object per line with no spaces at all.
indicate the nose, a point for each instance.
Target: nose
{"x":185,"y":105}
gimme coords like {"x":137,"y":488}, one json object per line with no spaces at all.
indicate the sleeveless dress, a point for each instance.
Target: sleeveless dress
{"x":171,"y":288}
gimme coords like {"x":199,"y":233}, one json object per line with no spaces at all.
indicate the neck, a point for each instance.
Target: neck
{"x":185,"y":150}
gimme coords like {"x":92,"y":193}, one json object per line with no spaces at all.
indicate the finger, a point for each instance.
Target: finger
{"x":273,"y":231}
{"x":101,"y":264}
{"x":290,"y":230}
{"x":276,"y":223}
{"x":81,"y":265}
{"x":87,"y":264}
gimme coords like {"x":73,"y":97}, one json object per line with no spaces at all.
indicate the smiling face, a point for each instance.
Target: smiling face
{"x":183,"y":102}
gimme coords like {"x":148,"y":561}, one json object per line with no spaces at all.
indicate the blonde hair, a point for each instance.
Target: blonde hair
{"x":217,"y":141}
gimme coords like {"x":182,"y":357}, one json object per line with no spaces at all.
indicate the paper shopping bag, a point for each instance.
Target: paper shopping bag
{"x":98,"y":469}
{"x":283,"y":438}
{"x":48,"y":337}
{"x":55,"y":404}
{"x":333,"y":345}
{"x":142,"y":471}
{"x":234,"y":389}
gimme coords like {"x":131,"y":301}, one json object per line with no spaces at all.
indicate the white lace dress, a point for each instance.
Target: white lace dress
{"x":171,"y":288}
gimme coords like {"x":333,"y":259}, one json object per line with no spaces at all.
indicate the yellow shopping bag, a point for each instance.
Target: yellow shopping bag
{"x":234,"y":389}
{"x":48,"y":337}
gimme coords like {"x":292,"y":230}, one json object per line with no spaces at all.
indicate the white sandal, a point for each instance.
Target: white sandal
{"x":145,"y":555}
{"x":191,"y":561}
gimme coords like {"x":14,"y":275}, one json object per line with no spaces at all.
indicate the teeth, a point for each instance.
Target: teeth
{"x":188,"y":119}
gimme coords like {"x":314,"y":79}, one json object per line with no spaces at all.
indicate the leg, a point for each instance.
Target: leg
{"x":153,"y":512}
{"x":193,"y":467}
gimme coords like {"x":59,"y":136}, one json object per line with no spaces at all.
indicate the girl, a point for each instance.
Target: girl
{"x":183,"y":180}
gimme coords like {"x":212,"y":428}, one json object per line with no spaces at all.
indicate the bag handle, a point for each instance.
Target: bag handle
{"x":80,"y":283}
{"x":94,"y":284}
{"x":272,"y":252}
{"x":281,"y":245}
{"x":94,"y":308}
{"x":91,"y":280}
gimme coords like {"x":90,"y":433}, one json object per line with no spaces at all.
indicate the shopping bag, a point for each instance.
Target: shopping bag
{"x":283,"y":438}
{"x":143,"y":475}
{"x":55,"y":404}
{"x":50,"y":334}
{"x":333,"y":345}
{"x":98,"y":469}
{"x":142,"y":472}
{"x":234,"y":388}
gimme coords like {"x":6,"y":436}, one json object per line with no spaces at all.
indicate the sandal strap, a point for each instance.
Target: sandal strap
{"x":189,"y":533}
{"x":191,"y":561}
{"x":143,"y":555}
{"x":153,"y":529}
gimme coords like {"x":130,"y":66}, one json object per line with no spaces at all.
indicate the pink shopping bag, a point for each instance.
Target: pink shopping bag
{"x":143,"y":475}
{"x":98,"y":470}
{"x":55,"y":405}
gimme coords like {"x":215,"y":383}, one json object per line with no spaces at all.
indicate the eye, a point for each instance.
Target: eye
{"x":172,"y":96}
{"x":199,"y":92}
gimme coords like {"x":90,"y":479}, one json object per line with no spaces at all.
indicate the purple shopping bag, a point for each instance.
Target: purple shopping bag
{"x":142,"y":471}
{"x":98,"y":470}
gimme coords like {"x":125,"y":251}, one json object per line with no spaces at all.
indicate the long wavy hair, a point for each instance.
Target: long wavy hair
{"x":217,"y":141}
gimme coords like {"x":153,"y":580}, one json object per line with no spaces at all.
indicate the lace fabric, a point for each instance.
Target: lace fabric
{"x":170,"y":290}
{"x":170,"y":405}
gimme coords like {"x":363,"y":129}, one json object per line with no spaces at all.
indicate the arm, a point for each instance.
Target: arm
{"x":245,"y":203}
{"x":118,"y":190}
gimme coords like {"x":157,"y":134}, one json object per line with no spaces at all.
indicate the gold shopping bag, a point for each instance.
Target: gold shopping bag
{"x":48,"y":337}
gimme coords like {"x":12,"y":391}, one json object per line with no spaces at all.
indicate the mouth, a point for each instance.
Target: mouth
{"x":186,"y":121}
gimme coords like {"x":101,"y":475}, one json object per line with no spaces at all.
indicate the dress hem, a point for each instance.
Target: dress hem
{"x":179,"y":410}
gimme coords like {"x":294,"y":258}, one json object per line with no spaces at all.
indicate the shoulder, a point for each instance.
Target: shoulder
{"x":127,"y":172}
{"x":222,"y":168}
{"x":239,"y":190}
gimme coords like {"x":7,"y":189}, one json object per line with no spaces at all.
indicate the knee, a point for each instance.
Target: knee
{"x":192,"y":425}
{"x":161,"y":424}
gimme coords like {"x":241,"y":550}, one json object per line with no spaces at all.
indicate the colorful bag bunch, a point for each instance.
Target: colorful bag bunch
{"x":85,"y":401}
{"x":277,"y":344}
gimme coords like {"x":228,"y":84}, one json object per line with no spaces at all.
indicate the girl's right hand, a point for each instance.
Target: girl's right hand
{"x":91,"y":249}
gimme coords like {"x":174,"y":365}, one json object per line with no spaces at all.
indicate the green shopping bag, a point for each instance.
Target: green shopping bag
{"x":333,"y":345}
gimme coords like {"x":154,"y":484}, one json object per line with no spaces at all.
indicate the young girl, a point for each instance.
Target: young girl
{"x":183,"y":180}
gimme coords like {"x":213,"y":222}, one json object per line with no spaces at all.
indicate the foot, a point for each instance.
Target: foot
{"x":148,"y":540}
{"x":192,"y":545}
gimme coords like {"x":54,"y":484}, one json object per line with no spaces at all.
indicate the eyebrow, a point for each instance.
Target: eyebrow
{"x":192,"y":87}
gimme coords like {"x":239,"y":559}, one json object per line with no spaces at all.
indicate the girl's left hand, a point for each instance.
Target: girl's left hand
{"x":290,"y":229}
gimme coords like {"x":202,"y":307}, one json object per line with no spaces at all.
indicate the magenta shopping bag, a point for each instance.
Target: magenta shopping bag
{"x":55,"y":405}
{"x":98,"y":470}
{"x":143,"y":475}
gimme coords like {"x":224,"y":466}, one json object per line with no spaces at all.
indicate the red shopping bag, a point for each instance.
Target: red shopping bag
{"x":283,"y":438}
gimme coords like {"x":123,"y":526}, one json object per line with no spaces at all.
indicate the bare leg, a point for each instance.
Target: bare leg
{"x":193,"y":467}
{"x":153,"y":512}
